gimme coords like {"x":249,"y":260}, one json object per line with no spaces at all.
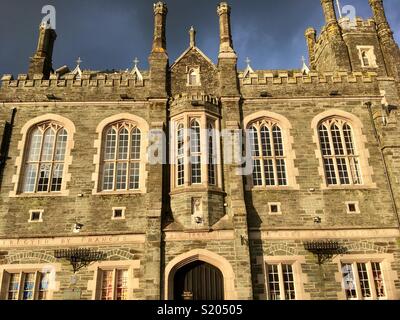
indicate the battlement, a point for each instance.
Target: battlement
{"x":281,"y":77}
{"x":359,"y":22}
{"x":88,"y":79}
{"x":199,"y":96}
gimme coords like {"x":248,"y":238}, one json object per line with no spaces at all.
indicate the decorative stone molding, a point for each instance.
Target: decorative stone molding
{"x":300,"y":278}
{"x":23,"y":256}
{"x":22,"y":145}
{"x":364,"y":246}
{"x":278,"y":248}
{"x":360,"y":141}
{"x":98,"y":267}
{"x":288,"y":142}
{"x":52,"y":268}
{"x":325,"y":234}
{"x":57,"y":242}
{"x":98,"y":144}
{"x":88,"y":80}
{"x":313,"y":78}
{"x":203,"y":255}
{"x":390,"y":276}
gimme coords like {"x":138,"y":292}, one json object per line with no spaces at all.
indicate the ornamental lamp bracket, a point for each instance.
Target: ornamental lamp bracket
{"x":79,"y":258}
{"x":325,"y":250}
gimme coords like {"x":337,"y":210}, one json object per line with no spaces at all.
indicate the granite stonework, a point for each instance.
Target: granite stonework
{"x":238,"y":234}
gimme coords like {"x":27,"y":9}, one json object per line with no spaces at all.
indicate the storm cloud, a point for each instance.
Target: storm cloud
{"x":110,"y":34}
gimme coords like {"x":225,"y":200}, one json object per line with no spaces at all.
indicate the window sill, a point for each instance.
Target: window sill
{"x":349,"y":187}
{"x":38,"y":195}
{"x":271,"y":188}
{"x":119,"y":193}
{"x":196,"y":188}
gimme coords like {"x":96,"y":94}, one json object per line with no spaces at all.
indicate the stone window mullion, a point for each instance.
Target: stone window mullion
{"x":281,"y":282}
{"x":333,"y":153}
{"x":186,"y":143}
{"x":371,"y":281}
{"x":273,"y":154}
{"x":260,"y":154}
{"x":53,"y":159}
{"x":346,"y":154}
{"x":38,"y":164}
{"x":357,"y":281}
{"x":204,"y":149}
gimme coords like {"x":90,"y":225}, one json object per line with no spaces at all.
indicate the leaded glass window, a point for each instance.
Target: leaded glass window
{"x":340,"y":157}
{"x":268,"y":154}
{"x":121,"y":157}
{"x":45,"y":158}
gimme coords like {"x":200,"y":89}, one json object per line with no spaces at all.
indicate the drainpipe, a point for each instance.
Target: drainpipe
{"x":6,"y":142}
{"x":385,"y":167}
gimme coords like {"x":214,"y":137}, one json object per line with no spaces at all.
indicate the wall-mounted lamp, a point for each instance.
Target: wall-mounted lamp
{"x":265,"y":94}
{"x":124,"y":96}
{"x":199,"y":220}
{"x":317,"y":220}
{"x":77,"y":227}
{"x":51,"y":96}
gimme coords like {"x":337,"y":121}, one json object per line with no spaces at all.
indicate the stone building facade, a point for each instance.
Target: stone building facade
{"x":316,"y":217}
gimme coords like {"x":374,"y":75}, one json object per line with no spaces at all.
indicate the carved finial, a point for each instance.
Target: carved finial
{"x":339,"y":9}
{"x":305,"y":69}
{"x":77,"y":71}
{"x":135,"y":71}
{"x":248,"y":69}
{"x":192,"y":33}
{"x":135,"y":62}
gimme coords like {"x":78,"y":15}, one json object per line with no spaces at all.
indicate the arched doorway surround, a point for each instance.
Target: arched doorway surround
{"x":200,"y":255}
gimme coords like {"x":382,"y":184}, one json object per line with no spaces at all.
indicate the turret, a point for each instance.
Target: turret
{"x":390,"y":49}
{"x":332,"y":53}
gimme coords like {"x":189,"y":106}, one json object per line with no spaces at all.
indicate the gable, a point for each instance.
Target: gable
{"x":193,"y":59}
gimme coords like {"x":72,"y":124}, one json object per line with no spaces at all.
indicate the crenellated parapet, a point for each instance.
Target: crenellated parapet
{"x":198,"y":96}
{"x":70,"y":80}
{"x":285,"y":77}
{"x":195,"y":102}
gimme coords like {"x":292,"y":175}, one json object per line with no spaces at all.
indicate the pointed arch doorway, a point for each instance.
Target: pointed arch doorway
{"x":199,"y":274}
{"x":198,"y":280}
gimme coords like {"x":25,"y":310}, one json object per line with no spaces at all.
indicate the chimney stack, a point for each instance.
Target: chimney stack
{"x":226,"y":45}
{"x":160,"y":17}
{"x":192,"y":34}
{"x":42,"y":61}
{"x":311,"y":37}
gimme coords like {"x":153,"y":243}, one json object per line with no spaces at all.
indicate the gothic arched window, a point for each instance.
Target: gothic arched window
{"x":194,"y":77}
{"x":121,"y":157}
{"x":44,"y":161}
{"x":340,"y":157}
{"x":267,"y":151}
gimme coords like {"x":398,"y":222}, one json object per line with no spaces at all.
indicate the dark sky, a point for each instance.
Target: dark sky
{"x":109,"y":34}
